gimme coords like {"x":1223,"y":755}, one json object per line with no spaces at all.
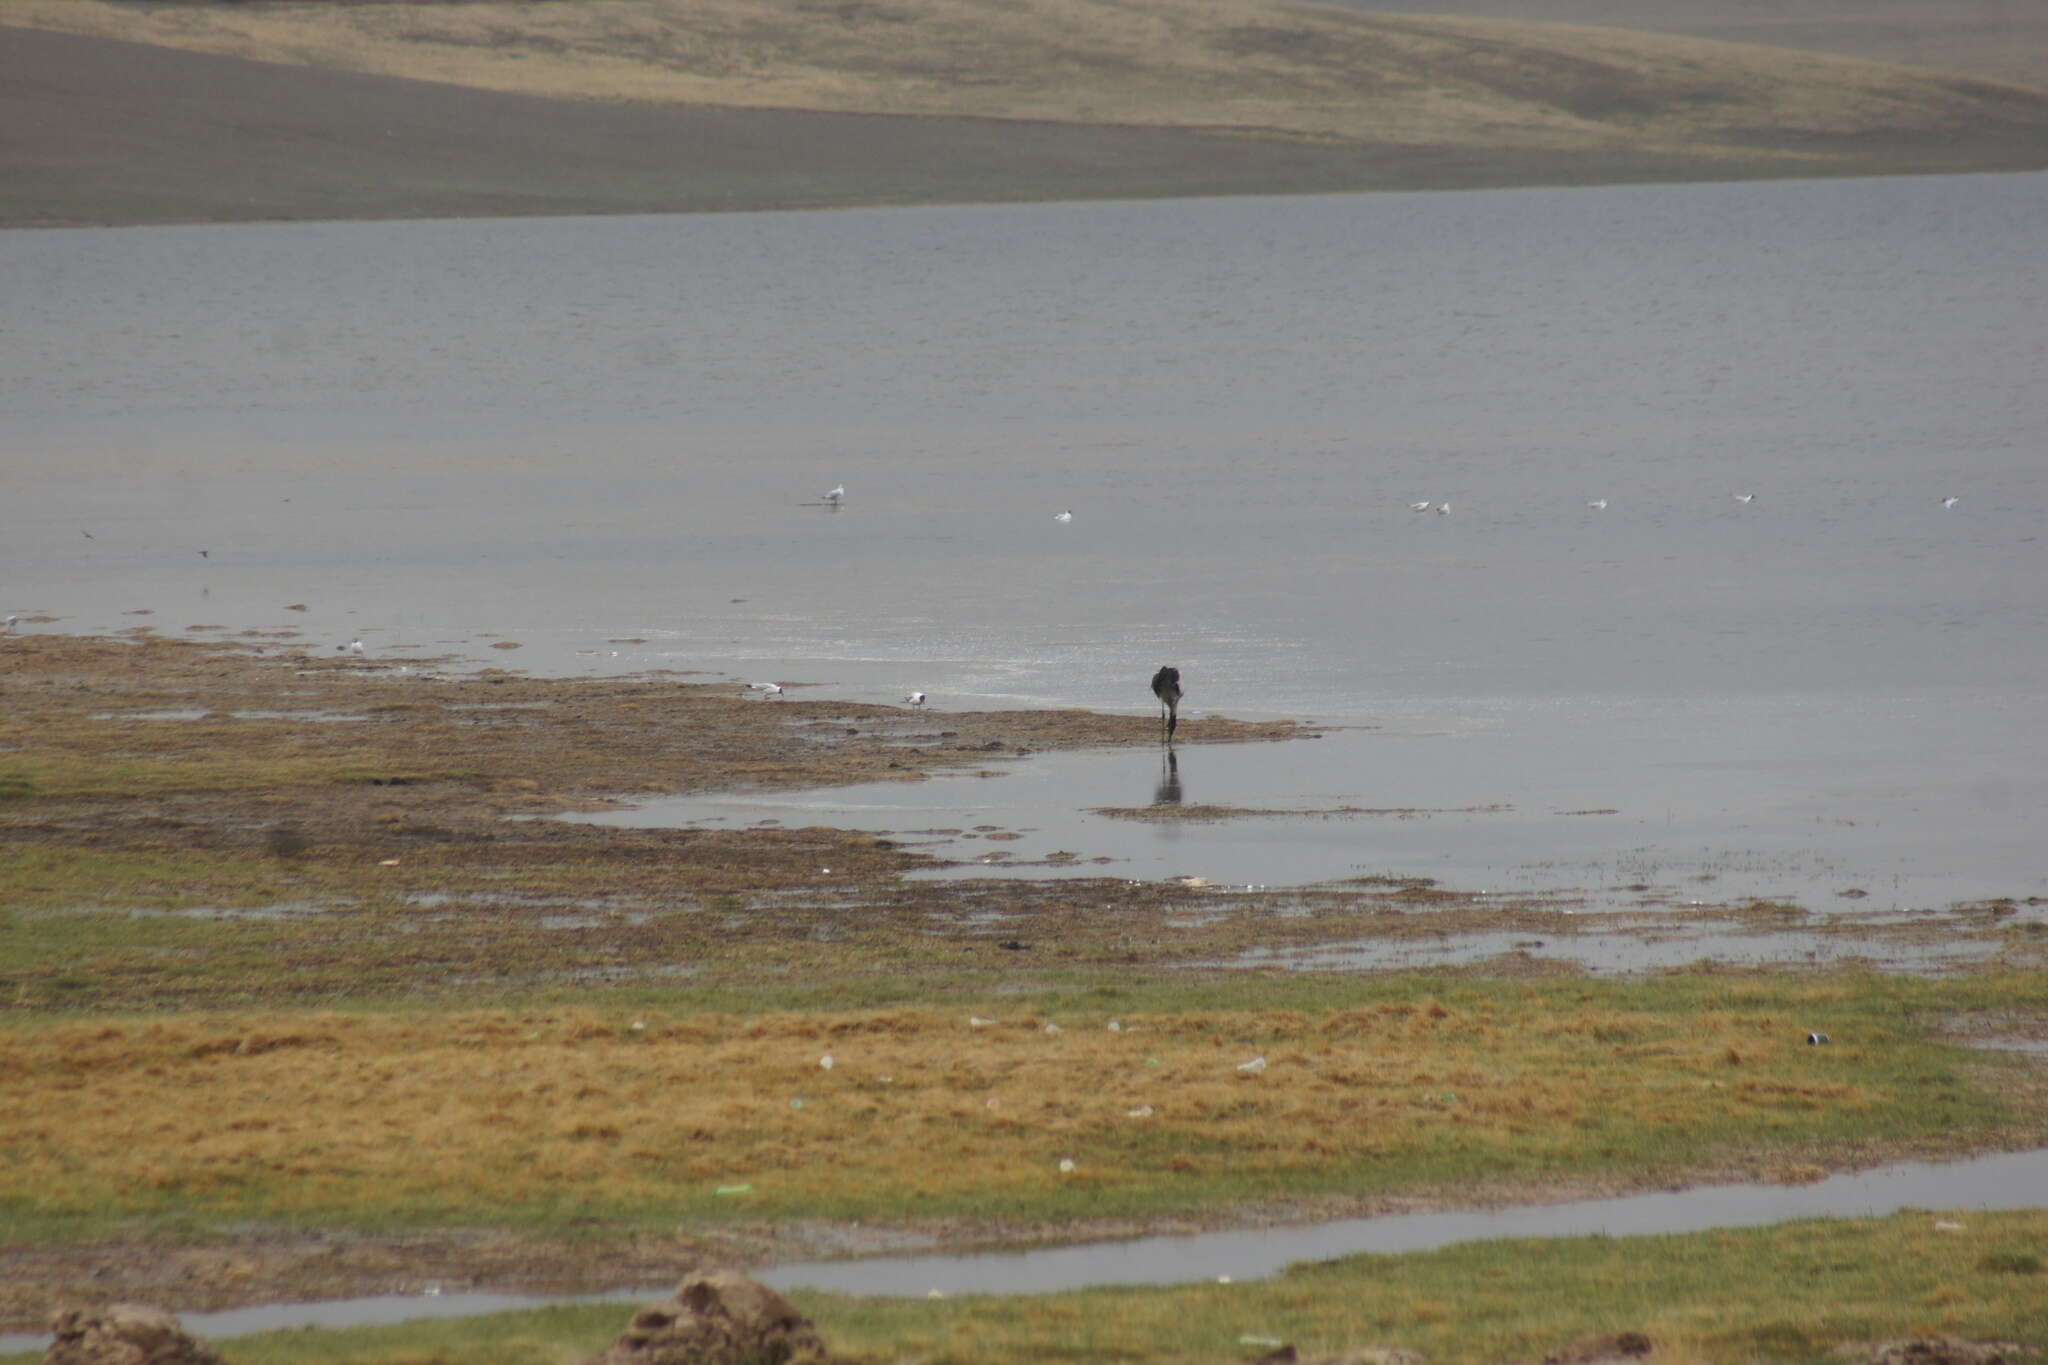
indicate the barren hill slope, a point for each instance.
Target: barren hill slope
{"x":637,"y":104}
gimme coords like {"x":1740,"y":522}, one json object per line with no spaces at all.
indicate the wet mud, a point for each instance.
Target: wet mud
{"x":399,"y":816}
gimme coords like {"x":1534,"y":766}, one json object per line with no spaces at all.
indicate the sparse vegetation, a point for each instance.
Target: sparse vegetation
{"x":662,"y":105}
{"x":1792,"y":1294}
{"x":430,"y":1036}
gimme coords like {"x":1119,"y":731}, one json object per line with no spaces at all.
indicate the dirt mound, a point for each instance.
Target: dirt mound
{"x":1375,"y":1355}
{"x":125,"y":1334}
{"x":1615,"y":1349}
{"x":1938,"y":1351}
{"x":716,"y":1317}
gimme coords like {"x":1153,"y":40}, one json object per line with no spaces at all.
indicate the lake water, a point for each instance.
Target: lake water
{"x":605,"y":439}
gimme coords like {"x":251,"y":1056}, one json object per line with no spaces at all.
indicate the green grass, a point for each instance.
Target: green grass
{"x":1787,"y":1294}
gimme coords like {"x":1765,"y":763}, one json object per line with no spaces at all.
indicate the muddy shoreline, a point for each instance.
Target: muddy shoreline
{"x":274,"y":773}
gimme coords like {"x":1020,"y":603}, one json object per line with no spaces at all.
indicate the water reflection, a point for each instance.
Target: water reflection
{"x":1168,"y":793}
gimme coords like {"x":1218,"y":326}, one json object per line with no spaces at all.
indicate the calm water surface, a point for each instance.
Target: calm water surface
{"x":605,"y":439}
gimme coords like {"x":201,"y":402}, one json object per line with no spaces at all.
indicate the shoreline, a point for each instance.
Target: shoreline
{"x":118,"y":133}
{"x":242,"y":814}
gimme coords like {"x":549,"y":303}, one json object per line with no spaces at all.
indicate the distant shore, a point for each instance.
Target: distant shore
{"x":111,"y":133}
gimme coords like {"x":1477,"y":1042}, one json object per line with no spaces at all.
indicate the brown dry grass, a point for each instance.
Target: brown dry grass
{"x":1264,"y":66}
{"x":502,"y":1114}
{"x":184,"y":1112}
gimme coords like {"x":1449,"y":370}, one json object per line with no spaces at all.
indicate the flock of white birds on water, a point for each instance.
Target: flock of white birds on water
{"x":1443,"y":509}
{"x":837,"y":497}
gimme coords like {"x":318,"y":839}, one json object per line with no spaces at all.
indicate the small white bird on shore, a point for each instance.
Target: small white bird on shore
{"x":353,"y":647}
{"x":1063,"y":516}
{"x":1950,"y":502}
{"x":11,"y":621}
{"x":915,"y":699}
{"x":766,"y":689}
{"x":1443,"y":509}
{"x":1745,"y":498}
{"x":1598,"y":504}
{"x":1423,"y":506}
{"x":837,"y":495}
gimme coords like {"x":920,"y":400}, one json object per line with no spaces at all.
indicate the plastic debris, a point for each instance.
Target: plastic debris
{"x":1815,"y":1039}
{"x":1053,"y":1028}
{"x":1143,"y":1111}
{"x":726,"y":1191}
{"x":1252,"y":1067}
{"x":1116,"y":1026}
{"x":1066,"y":1165}
{"x":976,"y":1021}
{"x":825,"y":1062}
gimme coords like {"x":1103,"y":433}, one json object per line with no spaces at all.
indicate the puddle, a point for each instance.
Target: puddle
{"x":1668,"y":946}
{"x":379,"y":1311}
{"x":201,"y":713}
{"x":2004,"y":1181}
{"x":274,"y":910}
{"x":1376,"y":803}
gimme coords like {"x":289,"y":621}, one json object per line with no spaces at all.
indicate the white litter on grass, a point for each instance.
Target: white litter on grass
{"x":826,"y":1062}
{"x":1253,"y":1067}
{"x":1067,"y":1165}
{"x":976,"y":1021}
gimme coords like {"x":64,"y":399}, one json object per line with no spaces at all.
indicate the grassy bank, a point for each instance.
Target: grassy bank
{"x":1790,"y":1294}
{"x":293,"y":1005}
{"x":1063,"y":1103}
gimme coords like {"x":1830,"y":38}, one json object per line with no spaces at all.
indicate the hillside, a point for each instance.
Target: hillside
{"x":493,"y":106}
